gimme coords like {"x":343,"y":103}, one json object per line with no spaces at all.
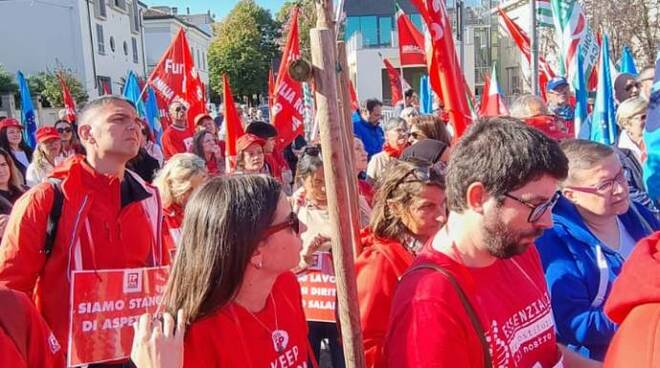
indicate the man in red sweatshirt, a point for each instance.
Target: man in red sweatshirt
{"x":634,"y":304}
{"x":177,"y":138}
{"x":476,"y":295}
{"x":110,"y":218}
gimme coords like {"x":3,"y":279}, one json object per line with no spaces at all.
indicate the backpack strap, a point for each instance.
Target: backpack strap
{"x":472,"y":314}
{"x":54,"y":215}
{"x":13,"y":321}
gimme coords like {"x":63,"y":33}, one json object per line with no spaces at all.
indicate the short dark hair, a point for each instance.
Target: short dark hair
{"x":92,"y":105}
{"x":409,"y":92}
{"x":372,"y":103}
{"x":261,"y":129}
{"x":504,"y":154}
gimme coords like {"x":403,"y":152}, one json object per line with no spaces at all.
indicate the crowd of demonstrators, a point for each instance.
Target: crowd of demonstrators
{"x":465,"y":297}
{"x":177,"y":138}
{"x":108,"y":216}
{"x":396,"y":140}
{"x":409,"y":208}
{"x":368,"y":128}
{"x":11,"y":140}
{"x":176,"y":182}
{"x":205,"y":145}
{"x":232,"y":279}
{"x":47,"y":155}
{"x":310,"y":205}
{"x":595,"y":230}
{"x":70,"y":143}
{"x":410,"y":101}
{"x":534,"y":111}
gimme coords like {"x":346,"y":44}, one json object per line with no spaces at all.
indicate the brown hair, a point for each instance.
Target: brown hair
{"x":432,"y":127}
{"x":15,"y":177}
{"x":395,"y":188}
{"x":223,"y":225}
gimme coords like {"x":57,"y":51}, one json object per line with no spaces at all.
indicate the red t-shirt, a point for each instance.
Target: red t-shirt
{"x":41,"y":347}
{"x":509,"y":296}
{"x":232,"y":337}
{"x":176,"y":140}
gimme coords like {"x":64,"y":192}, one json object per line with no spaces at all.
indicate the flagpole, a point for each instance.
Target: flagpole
{"x":402,"y":86}
{"x":534,"y":40}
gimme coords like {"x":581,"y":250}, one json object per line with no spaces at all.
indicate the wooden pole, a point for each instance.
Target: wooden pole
{"x":324,"y":58}
{"x":346,"y":112}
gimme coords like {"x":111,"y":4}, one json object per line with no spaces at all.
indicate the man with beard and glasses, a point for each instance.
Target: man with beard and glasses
{"x":476,"y":295}
{"x":596,"y":227}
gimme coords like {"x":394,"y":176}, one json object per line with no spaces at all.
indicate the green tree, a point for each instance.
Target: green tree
{"x":306,"y":21}
{"x":244,"y":47}
{"x":49,"y":86}
{"x":7,"y":83}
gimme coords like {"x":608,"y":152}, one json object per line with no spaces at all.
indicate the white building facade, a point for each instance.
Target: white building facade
{"x":100,"y":41}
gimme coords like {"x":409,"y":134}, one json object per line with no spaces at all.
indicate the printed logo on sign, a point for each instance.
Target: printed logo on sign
{"x":132,"y":281}
{"x":53,"y":344}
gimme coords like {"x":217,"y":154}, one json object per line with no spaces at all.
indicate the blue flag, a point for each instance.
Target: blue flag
{"x":652,"y":138}
{"x":603,"y":121}
{"x":425,"y":96}
{"x":627,"y":63}
{"x":28,"y":117}
{"x":581,"y":107}
{"x":153,"y":116}
{"x":132,"y":93}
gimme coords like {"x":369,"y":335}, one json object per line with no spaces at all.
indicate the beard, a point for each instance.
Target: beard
{"x":502,"y":242}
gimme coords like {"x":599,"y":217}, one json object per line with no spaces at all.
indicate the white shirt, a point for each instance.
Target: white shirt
{"x":626,"y":241}
{"x":21,"y":157}
{"x":626,"y":142}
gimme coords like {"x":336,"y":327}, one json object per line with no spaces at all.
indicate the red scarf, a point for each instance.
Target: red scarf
{"x":391,"y":151}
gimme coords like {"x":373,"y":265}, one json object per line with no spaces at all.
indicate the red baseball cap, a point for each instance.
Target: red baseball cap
{"x":46,"y":133}
{"x":246,"y":140}
{"x":199,"y":118}
{"x":10,"y":122}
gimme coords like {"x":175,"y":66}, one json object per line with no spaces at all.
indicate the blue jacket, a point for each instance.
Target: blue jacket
{"x":372,"y":136}
{"x":569,"y":255}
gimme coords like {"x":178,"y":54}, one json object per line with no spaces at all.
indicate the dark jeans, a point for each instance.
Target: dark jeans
{"x":324,"y":330}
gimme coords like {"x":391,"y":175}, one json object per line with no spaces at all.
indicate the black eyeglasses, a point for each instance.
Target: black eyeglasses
{"x":292,"y":222}
{"x":64,"y":130}
{"x":312,"y":150}
{"x":180,"y":108}
{"x":536,"y":210}
{"x":631,"y":85}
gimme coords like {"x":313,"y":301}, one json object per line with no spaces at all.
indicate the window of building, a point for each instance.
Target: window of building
{"x":104,"y":85}
{"x":199,"y":60}
{"x":112,"y":44}
{"x":135,"y":16}
{"x":135,"y":49}
{"x":204,"y":60}
{"x":121,"y":4}
{"x":125,"y":47}
{"x":417,"y":20}
{"x":99,"y":9}
{"x":376,"y":31}
{"x":100,"y":42}
{"x":352,"y":26}
{"x":369,"y":29}
{"x":384,"y":30}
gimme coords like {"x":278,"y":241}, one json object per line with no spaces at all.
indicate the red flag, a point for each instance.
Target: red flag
{"x":288,"y":100}
{"x":492,"y":103}
{"x":411,"y":41}
{"x":395,"y":82}
{"x":271,"y":89}
{"x":354,"y":100}
{"x":175,"y":78}
{"x":232,"y":120}
{"x":69,"y":103}
{"x":449,"y":70}
{"x":522,"y":41}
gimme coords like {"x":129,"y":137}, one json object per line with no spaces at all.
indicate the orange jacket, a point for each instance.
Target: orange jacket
{"x":634,"y":303}
{"x":94,"y":232}
{"x":378,"y":270}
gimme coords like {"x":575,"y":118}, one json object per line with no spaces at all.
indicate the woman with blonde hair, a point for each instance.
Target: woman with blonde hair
{"x":631,"y":117}
{"x":176,"y":181}
{"x":46,"y":156}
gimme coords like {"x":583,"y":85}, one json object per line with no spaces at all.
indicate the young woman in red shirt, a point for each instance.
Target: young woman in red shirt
{"x":409,"y":208}
{"x":183,"y":173}
{"x":231,"y":277}
{"x":205,"y":145}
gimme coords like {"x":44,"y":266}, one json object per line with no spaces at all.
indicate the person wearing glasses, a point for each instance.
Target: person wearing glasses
{"x":70,"y":143}
{"x":631,"y":118}
{"x":625,"y":87}
{"x":177,"y":138}
{"x":409,"y":208}
{"x":596,"y":227}
{"x":428,"y":127}
{"x":476,"y":296}
{"x":396,"y":140}
{"x":232,"y":277}
{"x":176,"y":181}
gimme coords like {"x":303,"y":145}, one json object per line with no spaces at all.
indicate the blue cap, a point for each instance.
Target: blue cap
{"x":556,"y":83}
